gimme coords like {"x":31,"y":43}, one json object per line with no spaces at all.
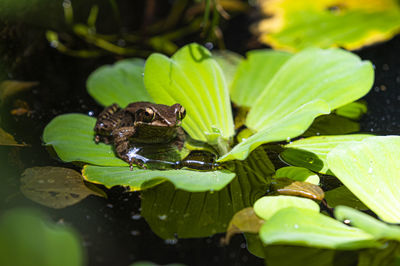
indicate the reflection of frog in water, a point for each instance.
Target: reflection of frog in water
{"x":141,"y":123}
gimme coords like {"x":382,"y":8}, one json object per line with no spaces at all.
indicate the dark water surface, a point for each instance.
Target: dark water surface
{"x":112,"y":229}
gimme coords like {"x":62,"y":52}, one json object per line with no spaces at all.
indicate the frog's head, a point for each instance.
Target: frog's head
{"x":160,"y":115}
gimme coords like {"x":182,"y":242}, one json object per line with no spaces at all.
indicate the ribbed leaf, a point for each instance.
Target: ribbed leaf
{"x":311,"y":152}
{"x":296,"y":226}
{"x":120,"y":83}
{"x":194,"y":79}
{"x":370,"y":169}
{"x":140,"y":179}
{"x":266,"y":207}
{"x":293,"y":125}
{"x":335,"y":76}
{"x":254,"y":74}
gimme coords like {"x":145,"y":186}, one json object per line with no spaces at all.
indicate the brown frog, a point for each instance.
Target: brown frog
{"x":138,"y":123}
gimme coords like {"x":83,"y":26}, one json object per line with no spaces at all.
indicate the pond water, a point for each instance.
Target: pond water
{"x":112,"y":229}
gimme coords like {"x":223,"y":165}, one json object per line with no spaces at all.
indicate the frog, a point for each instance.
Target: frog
{"x":137,"y":125}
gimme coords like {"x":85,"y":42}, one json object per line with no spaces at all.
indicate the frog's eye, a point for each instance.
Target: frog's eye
{"x":181,"y":113}
{"x":148,"y":115}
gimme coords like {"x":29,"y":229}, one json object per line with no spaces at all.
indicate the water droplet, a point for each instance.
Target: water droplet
{"x":171,"y":241}
{"x":135,"y":232}
{"x":347,"y":221}
{"x":162,"y":217}
{"x":370,"y":170}
{"x":377,"y":190}
{"x":296,"y":226}
{"x":136,"y":217}
{"x":288,"y":139}
{"x":90,"y":113}
{"x":209,"y":45}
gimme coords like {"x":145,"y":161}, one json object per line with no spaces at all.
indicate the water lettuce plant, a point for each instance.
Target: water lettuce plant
{"x":283,"y":92}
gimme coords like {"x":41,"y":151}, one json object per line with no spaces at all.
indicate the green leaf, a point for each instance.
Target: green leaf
{"x":254,"y":74}
{"x":72,"y":137}
{"x":229,"y":62}
{"x":194,"y":79}
{"x":367,"y":223}
{"x":311,"y":152}
{"x":54,"y":187}
{"x":370,"y":169}
{"x":121,"y":83}
{"x":292,"y":125}
{"x":297,"y":174}
{"x":140,"y":179}
{"x":353,"y":110}
{"x":295,"y":26}
{"x":303,"y":227}
{"x":343,"y":196}
{"x":267,"y":206}
{"x":28,"y":238}
{"x":332,"y":124}
{"x":175,"y":213}
{"x":335,"y":76}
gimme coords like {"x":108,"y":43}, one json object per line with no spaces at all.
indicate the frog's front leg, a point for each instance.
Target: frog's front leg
{"x":122,"y":147}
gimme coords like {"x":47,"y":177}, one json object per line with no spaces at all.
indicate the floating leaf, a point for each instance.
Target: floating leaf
{"x":244,"y":220}
{"x":343,"y":196}
{"x":367,"y":223}
{"x":11,"y":87}
{"x":175,"y":213}
{"x":140,"y":179}
{"x":254,"y":74}
{"x":304,"y":227}
{"x":286,"y":186}
{"x":121,"y":83}
{"x":6,"y":139}
{"x":335,"y":76}
{"x":228,"y":61}
{"x":267,"y":206}
{"x":332,"y":124}
{"x":72,"y":137}
{"x":192,"y":78}
{"x":370,"y":169}
{"x":28,"y":238}
{"x":288,"y":127}
{"x":311,"y":152}
{"x":297,"y":174}
{"x":54,"y":187}
{"x":350,"y":24}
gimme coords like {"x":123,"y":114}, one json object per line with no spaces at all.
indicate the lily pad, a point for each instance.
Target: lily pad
{"x":54,"y":187}
{"x":121,"y":83}
{"x":311,"y":152}
{"x":370,"y":169}
{"x":266,"y":207}
{"x":140,"y":179}
{"x":299,"y":226}
{"x":294,"y":26}
{"x":72,"y":137}
{"x":22,"y":229}
{"x":194,"y":79}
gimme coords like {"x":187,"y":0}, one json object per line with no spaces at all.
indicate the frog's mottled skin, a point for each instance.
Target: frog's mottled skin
{"x":140,"y":122}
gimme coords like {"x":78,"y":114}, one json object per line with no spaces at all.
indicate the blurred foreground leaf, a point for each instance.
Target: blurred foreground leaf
{"x":295,"y":25}
{"x":7,"y":139}
{"x":29,"y":239}
{"x":11,"y":87}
